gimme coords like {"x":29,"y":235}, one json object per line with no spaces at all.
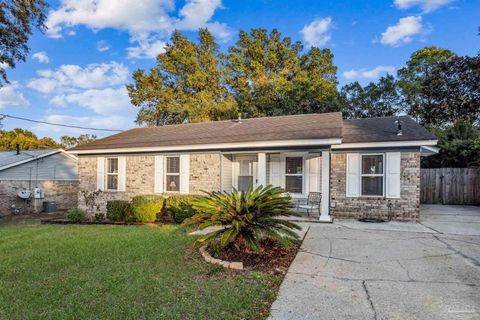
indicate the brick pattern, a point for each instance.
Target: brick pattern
{"x":204,"y":175}
{"x":204,"y":172}
{"x":406,"y":208}
{"x":64,"y":193}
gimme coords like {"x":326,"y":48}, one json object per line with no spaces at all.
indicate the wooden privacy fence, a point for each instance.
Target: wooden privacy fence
{"x":450,"y":186}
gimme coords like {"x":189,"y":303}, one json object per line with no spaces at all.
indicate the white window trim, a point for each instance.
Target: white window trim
{"x":165,"y":173}
{"x":383,"y":175}
{"x":111,"y":174}
{"x":283,"y":177}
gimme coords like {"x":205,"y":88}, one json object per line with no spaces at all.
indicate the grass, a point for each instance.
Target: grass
{"x":120,"y":272}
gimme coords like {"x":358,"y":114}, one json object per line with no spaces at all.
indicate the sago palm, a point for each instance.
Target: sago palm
{"x":246,"y":217}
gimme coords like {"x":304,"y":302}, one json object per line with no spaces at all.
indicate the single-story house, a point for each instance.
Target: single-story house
{"x":364,"y":166}
{"x":43,"y":175}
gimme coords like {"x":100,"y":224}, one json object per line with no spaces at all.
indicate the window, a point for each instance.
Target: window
{"x":112,"y":173}
{"x":172,"y":174}
{"x":372,"y":175}
{"x":294,"y":174}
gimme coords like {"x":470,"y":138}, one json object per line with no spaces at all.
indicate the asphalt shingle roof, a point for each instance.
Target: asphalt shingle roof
{"x":296,"y":127}
{"x":10,"y":157}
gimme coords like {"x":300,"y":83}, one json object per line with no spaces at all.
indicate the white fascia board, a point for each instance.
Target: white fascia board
{"x":217,"y":146}
{"x":411,"y":143}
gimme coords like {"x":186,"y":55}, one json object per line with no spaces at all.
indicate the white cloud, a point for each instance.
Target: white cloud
{"x":114,"y":122}
{"x":41,"y":57}
{"x":71,"y":77}
{"x":425,"y":5}
{"x":11,"y":97}
{"x":147,"y":19}
{"x":368,"y":74}
{"x":147,"y":47}
{"x":103,"y":46}
{"x":316,"y":33}
{"x":108,"y":101}
{"x":404,"y":31}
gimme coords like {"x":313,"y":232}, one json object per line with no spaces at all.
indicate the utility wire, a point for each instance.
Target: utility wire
{"x":3,"y":116}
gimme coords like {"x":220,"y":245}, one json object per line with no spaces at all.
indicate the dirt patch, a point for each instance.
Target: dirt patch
{"x":272,"y":258}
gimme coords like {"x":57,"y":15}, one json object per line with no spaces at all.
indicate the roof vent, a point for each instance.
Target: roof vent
{"x":18,"y":149}
{"x":399,"y":127}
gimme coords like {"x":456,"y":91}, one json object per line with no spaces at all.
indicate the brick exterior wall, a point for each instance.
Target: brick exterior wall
{"x":407,"y":207}
{"x":64,"y":193}
{"x":204,"y":175}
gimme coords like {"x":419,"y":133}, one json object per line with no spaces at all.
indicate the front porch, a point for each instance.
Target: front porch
{"x":299,"y":172}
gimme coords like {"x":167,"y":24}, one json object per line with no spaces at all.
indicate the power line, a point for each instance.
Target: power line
{"x":3,"y":116}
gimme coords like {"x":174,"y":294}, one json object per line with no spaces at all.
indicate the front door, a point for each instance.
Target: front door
{"x":245,"y":172}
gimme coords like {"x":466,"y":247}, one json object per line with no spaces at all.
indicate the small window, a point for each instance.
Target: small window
{"x":172,"y":174}
{"x":372,"y":175}
{"x":112,"y":173}
{"x":294,"y":174}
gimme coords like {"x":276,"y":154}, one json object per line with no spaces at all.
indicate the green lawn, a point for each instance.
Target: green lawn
{"x":120,"y":272}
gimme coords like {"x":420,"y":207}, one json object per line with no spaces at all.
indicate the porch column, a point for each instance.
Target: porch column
{"x":325,"y":204}
{"x":262,"y":169}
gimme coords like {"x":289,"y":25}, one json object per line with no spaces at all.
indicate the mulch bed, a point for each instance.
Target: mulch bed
{"x":271,"y":258}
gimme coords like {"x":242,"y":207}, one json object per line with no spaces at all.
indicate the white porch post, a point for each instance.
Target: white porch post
{"x":262,"y":169}
{"x":325,"y":204}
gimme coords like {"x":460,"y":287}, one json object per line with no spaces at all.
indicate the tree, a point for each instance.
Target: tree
{"x":459,"y":147}
{"x":411,"y":77}
{"x":26,"y":140}
{"x":16,"y":20}
{"x":70,"y":142}
{"x":269,"y":76}
{"x":451,"y":92}
{"x":186,"y":85}
{"x":379,"y":99}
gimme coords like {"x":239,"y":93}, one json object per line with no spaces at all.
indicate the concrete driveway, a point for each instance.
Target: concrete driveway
{"x":350,"y":270}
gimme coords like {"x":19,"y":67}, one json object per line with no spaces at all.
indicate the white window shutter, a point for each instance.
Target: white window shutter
{"x":184,"y":173}
{"x":101,"y":173}
{"x":314,"y":163}
{"x":353,"y":175}
{"x":158,"y":175}
{"x":393,"y":175}
{"x":275,"y":170}
{"x":122,"y":173}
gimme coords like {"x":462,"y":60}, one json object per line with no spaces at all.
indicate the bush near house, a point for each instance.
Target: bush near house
{"x":75,"y":215}
{"x":147,"y":208}
{"x":247,"y":217}
{"x":180,"y":207}
{"x":119,"y":210}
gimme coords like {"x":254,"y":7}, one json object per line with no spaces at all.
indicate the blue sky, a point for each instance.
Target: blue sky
{"x":77,"y":71}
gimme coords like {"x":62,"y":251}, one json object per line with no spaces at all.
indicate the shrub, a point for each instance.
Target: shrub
{"x":247,"y":217}
{"x":99,"y":217}
{"x":147,"y":208}
{"x":119,"y":210}
{"x":179,"y":207}
{"x":75,"y":215}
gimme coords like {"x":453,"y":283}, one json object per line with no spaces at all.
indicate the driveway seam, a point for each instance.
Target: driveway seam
{"x":471,"y":259}
{"x":369,"y":299}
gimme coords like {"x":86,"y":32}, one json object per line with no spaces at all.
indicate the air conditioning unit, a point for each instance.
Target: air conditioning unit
{"x":38,"y":193}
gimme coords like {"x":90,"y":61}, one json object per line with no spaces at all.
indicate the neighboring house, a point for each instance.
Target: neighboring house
{"x":365,"y":166}
{"x":53,"y":173}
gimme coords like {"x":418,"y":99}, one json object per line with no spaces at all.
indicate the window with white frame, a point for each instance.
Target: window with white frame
{"x":372,"y":174}
{"x":294,"y":174}
{"x":112,"y":174}
{"x":172,"y":174}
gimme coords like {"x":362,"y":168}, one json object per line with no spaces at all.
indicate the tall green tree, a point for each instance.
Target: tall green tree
{"x":459,"y":146}
{"x":70,"y":142}
{"x":451,"y":92}
{"x":26,"y":140}
{"x":270,"y":76}
{"x":410,"y":78}
{"x":17,"y":17}
{"x":186,"y":85}
{"x":380,"y":99}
